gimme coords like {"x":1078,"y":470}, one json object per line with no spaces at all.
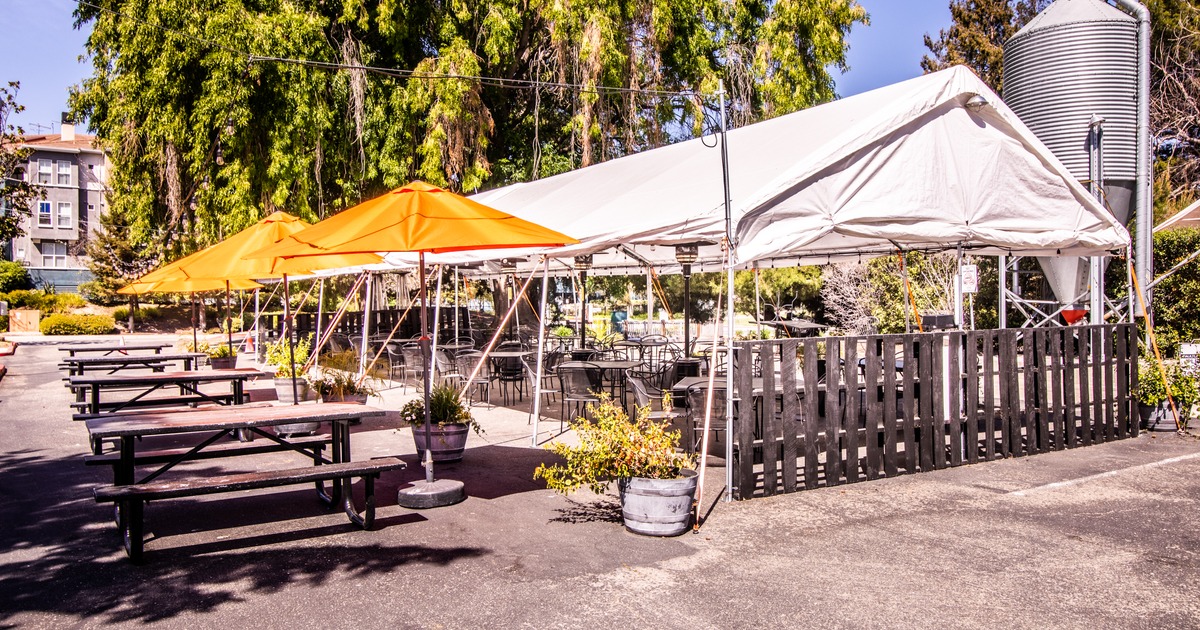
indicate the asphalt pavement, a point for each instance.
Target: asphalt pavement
{"x":1097,"y":537}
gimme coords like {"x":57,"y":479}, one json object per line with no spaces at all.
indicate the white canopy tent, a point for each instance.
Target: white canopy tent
{"x":915,"y":165}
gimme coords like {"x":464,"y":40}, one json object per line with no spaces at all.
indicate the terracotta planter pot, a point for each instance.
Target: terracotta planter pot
{"x":449,"y":441}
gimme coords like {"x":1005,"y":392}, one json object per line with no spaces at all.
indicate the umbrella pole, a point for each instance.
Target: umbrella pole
{"x":320,"y":316}
{"x":287,"y":327}
{"x":456,"y":335}
{"x":228,"y":320}
{"x":366,"y":327}
{"x":195,"y":342}
{"x":257,"y":331}
{"x":541,"y":351}
{"x":427,"y":357}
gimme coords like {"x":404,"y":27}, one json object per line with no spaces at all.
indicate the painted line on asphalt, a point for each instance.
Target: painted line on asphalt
{"x":1110,"y":473}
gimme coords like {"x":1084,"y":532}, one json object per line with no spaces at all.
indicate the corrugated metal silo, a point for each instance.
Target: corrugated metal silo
{"x":1075,"y":60}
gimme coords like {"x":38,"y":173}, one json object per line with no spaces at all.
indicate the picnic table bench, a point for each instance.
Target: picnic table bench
{"x":130,"y":494}
{"x":113,"y":348}
{"x":95,"y":386}
{"x":77,"y":365}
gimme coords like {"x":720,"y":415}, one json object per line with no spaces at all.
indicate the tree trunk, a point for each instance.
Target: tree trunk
{"x":133,"y":304}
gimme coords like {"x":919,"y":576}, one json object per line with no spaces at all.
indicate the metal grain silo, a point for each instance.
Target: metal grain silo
{"x":1075,"y":60}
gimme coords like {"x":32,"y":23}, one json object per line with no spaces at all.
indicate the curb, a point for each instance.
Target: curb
{"x":12,"y":350}
{"x":3,"y":371}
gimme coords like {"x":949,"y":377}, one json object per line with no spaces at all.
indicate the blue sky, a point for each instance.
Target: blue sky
{"x":41,"y":49}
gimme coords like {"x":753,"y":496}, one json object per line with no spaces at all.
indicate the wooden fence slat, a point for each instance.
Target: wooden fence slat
{"x":1110,"y":393}
{"x":744,"y":397}
{"x":1010,"y":396}
{"x":910,"y":402}
{"x":812,"y":414}
{"x":927,"y":374}
{"x":937,"y":409}
{"x":971,"y":405}
{"x":768,"y":419}
{"x":1070,"y":416}
{"x":1085,"y":405}
{"x":954,"y":426}
{"x":850,"y":410}
{"x":1041,"y":390}
{"x":990,"y":410}
{"x":890,"y":411}
{"x":1098,"y":428}
{"x":833,"y":409}
{"x":1129,"y":336}
{"x":873,"y":414}
{"x":1058,"y":338}
{"x":789,"y":426}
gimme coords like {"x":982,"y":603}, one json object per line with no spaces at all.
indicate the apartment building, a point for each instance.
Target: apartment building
{"x":72,"y":171}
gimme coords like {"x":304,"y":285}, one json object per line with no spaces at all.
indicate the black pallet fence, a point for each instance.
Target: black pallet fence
{"x":825,"y":411}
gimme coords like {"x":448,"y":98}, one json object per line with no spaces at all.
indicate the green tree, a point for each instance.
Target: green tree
{"x":977,"y":34}
{"x":116,"y":257}
{"x":209,"y":131}
{"x":16,"y":194}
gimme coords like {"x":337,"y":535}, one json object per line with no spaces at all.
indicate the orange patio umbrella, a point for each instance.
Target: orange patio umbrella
{"x":417,"y":217}
{"x":224,"y":265}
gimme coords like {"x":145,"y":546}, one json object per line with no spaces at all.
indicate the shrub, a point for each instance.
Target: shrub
{"x":279,"y":356}
{"x":61,"y":324}
{"x":142,"y":314}
{"x":45,"y":302}
{"x":14,"y":276}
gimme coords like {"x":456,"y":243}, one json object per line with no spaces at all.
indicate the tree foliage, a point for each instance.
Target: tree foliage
{"x":16,"y":194}
{"x":977,"y":34}
{"x":209,"y":130}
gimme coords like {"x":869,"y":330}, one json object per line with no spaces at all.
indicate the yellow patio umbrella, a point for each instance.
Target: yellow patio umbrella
{"x":417,"y":217}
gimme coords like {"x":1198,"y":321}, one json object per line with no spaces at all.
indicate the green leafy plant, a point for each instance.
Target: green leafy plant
{"x":279,"y":357}
{"x":62,"y":324}
{"x":445,"y":407}
{"x":1182,"y":381}
{"x":222,"y":351}
{"x":339,"y":383}
{"x":563,"y":332}
{"x":13,"y":276}
{"x":614,"y":446}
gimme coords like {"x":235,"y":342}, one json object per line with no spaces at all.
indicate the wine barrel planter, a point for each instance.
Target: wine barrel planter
{"x":658,"y":507}
{"x":360,"y":399}
{"x":448,"y":440}
{"x":222,"y":363}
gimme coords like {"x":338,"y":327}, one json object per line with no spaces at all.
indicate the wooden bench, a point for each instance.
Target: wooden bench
{"x":313,"y":445}
{"x":132,"y":498}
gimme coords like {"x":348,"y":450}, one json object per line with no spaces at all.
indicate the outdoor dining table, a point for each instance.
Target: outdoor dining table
{"x":97,"y":386}
{"x":130,"y":428}
{"x":611,"y":370}
{"x":112,"y":348}
{"x":77,"y":365}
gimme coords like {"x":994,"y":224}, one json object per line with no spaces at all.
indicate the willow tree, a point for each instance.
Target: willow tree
{"x":219,"y":111}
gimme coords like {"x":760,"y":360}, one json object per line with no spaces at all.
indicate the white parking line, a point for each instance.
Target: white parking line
{"x":1111,"y":473}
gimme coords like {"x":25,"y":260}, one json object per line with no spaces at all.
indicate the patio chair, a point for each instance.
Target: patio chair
{"x":550,"y":386}
{"x":643,"y":396}
{"x":510,"y":373}
{"x":396,"y":363}
{"x":696,"y":397}
{"x":482,"y":381}
{"x":445,"y":370}
{"x":414,"y":362}
{"x":578,"y":388}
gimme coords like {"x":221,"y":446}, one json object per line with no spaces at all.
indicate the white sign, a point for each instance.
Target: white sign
{"x":970,"y":278}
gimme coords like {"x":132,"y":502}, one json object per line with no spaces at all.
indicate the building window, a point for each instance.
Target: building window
{"x":64,"y":214}
{"x":91,"y":212}
{"x":54,"y":254}
{"x":45,"y":171}
{"x":45,"y":217}
{"x":64,"y":173}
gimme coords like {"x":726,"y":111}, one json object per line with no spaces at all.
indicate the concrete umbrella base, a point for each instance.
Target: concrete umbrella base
{"x":430,"y":494}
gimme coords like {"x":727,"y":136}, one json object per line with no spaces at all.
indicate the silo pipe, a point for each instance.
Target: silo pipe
{"x":1144,"y":260}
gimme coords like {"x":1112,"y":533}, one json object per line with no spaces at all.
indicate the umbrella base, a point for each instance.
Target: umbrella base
{"x":430,"y":494}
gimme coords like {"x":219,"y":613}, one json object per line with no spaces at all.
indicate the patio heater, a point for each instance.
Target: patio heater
{"x":508,"y":268}
{"x":686,"y":255}
{"x":583,"y":262}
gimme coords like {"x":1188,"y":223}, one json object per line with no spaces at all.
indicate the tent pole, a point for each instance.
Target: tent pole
{"x":582,"y":309}
{"x":320,"y":315}
{"x":758,"y":301}
{"x":958,"y":288}
{"x":366,"y":326}
{"x":257,"y":331}
{"x":1002,"y":303}
{"x":456,"y":334}
{"x":287,"y":329}
{"x":649,"y":299}
{"x":437,"y":309}
{"x":541,"y":351}
{"x":729,"y":327}
{"x":427,"y":357}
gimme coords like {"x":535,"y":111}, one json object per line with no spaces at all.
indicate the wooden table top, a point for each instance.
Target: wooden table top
{"x":132,"y":358}
{"x":235,"y":417}
{"x":112,"y":347}
{"x":604,"y":364}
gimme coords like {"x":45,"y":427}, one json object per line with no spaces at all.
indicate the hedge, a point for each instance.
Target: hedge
{"x":78,"y":325}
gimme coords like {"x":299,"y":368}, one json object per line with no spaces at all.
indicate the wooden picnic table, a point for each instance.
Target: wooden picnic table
{"x":77,"y":365}
{"x":111,"y":348}
{"x":130,"y":492}
{"x":97,"y":385}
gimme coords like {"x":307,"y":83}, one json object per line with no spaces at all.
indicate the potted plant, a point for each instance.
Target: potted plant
{"x":280,"y":358}
{"x":342,"y":386}
{"x":222,"y":356}
{"x":449,"y":421}
{"x":655,"y":481}
{"x":1153,"y":404}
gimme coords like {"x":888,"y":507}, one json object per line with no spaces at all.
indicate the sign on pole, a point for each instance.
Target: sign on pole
{"x":970,"y":278}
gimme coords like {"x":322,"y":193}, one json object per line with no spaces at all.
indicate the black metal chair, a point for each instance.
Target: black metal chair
{"x":696,"y":401}
{"x":396,"y":363}
{"x":645,"y":396}
{"x":414,"y":362}
{"x":550,"y":385}
{"x":483,"y":376}
{"x":578,"y":388}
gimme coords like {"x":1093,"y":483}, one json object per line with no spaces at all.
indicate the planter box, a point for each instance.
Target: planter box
{"x":449,"y":441}
{"x":658,"y":507}
{"x":222,"y":363}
